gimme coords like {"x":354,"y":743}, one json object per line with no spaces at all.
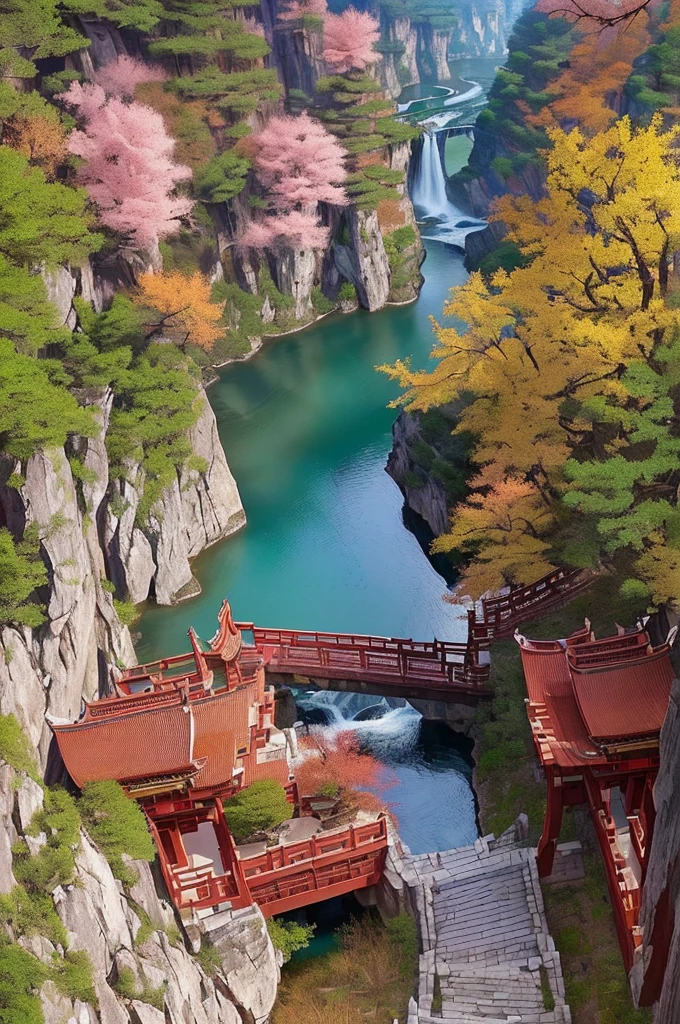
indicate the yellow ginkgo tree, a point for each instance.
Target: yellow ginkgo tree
{"x":572,"y":361}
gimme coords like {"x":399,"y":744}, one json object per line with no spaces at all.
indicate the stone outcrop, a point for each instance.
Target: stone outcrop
{"x":102,"y":921}
{"x":657,"y":968}
{"x":422,"y":492}
{"x":200,"y":507}
{"x":48,"y":669}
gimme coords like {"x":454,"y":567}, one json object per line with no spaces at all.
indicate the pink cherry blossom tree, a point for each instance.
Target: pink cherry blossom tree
{"x":128,"y":171}
{"x":297,"y":228}
{"x":297,"y":9}
{"x":121,"y":76}
{"x":299,"y":164}
{"x":348,"y":40}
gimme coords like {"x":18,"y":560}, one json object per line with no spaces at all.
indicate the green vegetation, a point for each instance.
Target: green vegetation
{"x":371,"y":977}
{"x":348,"y":292}
{"x":21,"y":975}
{"x":73,"y":976}
{"x":223,"y":178}
{"x":15,"y":748}
{"x":289,"y":936}
{"x":21,"y":573}
{"x":539,"y":46}
{"x":117,"y":825}
{"x":257,"y":808}
{"x":209,"y":957}
{"x":28,"y":908}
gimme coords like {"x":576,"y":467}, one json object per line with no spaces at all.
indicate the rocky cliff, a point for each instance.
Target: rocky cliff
{"x":414,"y":51}
{"x":430,"y":465}
{"x":656,"y":974}
{"x":142,"y":967}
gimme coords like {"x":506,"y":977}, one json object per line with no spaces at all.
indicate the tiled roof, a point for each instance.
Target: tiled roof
{"x":626,"y":700}
{"x":127,"y":746}
{"x":277,"y":770}
{"x":214,"y":740}
{"x":573,"y":710}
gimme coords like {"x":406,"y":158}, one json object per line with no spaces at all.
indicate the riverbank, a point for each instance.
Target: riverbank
{"x":508,"y":781}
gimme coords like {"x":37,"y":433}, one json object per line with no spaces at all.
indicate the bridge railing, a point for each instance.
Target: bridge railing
{"x":357,"y":654}
{"x":372,"y":835}
{"x":499,"y":615}
{"x":289,"y":876}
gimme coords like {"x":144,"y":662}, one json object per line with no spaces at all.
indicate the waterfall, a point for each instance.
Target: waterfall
{"x":429,"y":188}
{"x":443,"y":222}
{"x":432,"y":798}
{"x":387,"y":726}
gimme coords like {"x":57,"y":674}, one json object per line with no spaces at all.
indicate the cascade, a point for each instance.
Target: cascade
{"x":431,"y":799}
{"x":442,"y":221}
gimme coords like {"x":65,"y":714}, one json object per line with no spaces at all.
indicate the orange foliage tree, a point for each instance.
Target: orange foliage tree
{"x":40,"y":139}
{"x":338,"y":767}
{"x":598,"y":68}
{"x":186,"y":312}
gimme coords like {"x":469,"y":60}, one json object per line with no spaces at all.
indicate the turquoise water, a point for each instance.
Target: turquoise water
{"x":306,"y":429}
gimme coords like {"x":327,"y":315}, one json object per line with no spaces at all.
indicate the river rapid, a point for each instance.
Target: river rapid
{"x":307,"y":429}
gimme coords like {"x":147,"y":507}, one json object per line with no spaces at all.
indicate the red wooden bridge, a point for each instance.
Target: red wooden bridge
{"x":436,"y":670}
{"x":374,"y":664}
{"x":499,"y":617}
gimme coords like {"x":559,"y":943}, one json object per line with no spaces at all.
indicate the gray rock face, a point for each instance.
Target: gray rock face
{"x":100,"y":921}
{"x":659,"y":960}
{"x":211,"y":504}
{"x":248,"y":959}
{"x":295,"y":272}
{"x":199,"y":508}
{"x":428,"y":498}
{"x":364,"y":262}
{"x":50,"y":668}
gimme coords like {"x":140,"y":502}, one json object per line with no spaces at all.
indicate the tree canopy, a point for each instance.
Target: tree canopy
{"x":572,"y":362}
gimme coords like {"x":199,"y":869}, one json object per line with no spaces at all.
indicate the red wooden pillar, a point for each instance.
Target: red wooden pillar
{"x":552,"y":824}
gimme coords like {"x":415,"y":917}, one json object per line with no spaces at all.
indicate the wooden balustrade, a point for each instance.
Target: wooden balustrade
{"x":501,"y":615}
{"x":370,"y":658}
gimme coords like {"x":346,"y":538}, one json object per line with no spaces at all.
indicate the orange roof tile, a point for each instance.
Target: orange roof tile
{"x":214,"y":740}
{"x":575,"y":706}
{"x":277,"y":770}
{"x":124,"y":747}
{"x":625,"y":700}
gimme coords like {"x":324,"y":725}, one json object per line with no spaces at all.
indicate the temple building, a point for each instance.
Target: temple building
{"x":596,"y":708}
{"x":185,"y":733}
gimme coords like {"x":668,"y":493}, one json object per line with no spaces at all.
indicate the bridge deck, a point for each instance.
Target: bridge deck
{"x":386,"y":661}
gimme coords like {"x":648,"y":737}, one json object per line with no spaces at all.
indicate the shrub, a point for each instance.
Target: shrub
{"x":404,"y":935}
{"x":117,"y":825}
{"x":15,"y":748}
{"x":73,"y":976}
{"x":289,"y":936}
{"x":20,"y":976}
{"x":126,"y":983}
{"x":126,"y":611}
{"x":209,"y":958}
{"x":32,"y":914}
{"x":259,"y":807}
{"x":348,"y":292}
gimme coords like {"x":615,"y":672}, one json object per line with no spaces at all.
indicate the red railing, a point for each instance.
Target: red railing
{"x":327,"y":865}
{"x":370,"y":658}
{"x":500,"y":615}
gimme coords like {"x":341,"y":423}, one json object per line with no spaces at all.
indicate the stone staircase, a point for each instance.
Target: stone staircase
{"x":488,"y":956}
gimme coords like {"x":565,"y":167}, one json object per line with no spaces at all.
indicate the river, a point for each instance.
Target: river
{"x":307,"y":430}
